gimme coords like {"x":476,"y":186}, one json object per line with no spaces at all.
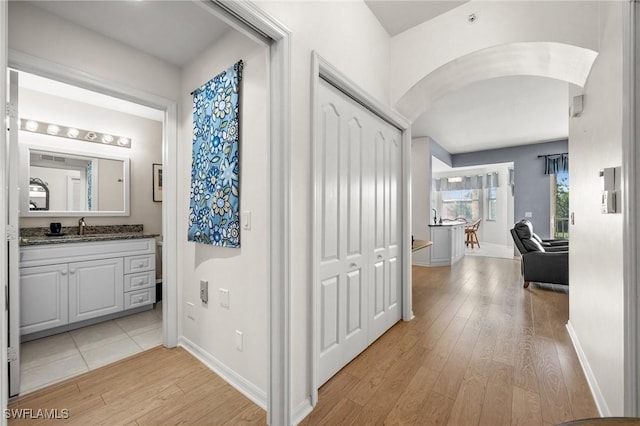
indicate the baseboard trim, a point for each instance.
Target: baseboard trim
{"x":241,"y":384}
{"x":302,"y":410}
{"x":603,"y":408}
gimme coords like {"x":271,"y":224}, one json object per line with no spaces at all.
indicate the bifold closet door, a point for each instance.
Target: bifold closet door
{"x":386,"y":292}
{"x":357,"y":208}
{"x":342,"y":295}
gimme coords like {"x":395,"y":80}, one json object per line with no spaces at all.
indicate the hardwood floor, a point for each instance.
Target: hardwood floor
{"x":481,"y":351}
{"x":157,"y":387}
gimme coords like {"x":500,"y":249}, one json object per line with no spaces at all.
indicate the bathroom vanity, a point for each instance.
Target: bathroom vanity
{"x":72,"y":281}
{"x":448,"y":243}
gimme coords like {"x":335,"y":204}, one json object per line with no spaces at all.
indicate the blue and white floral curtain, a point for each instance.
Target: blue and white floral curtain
{"x":214,"y":209}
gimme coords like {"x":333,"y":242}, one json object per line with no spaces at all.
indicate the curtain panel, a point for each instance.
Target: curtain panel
{"x":554,"y":164}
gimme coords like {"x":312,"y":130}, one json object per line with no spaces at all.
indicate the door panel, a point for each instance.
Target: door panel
{"x":96,"y":288}
{"x":330,"y":309}
{"x":354,"y":187}
{"x":354,"y":302}
{"x":353,"y":212}
{"x":331,"y":182}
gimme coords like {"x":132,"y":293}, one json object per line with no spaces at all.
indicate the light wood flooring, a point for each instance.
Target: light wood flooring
{"x":481,"y":351}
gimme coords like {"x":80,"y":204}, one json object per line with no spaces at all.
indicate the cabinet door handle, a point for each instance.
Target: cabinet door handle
{"x":353,"y":265}
{"x":72,"y":271}
{"x":63,"y":272}
{"x":379,"y":256}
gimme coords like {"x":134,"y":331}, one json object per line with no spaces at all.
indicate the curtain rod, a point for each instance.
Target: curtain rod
{"x":553,"y":155}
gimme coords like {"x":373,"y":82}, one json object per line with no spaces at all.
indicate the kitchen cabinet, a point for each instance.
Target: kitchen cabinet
{"x":448,"y":243}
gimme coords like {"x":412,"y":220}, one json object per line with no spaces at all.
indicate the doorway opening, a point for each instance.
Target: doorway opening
{"x":559,"y":204}
{"x":65,"y":329}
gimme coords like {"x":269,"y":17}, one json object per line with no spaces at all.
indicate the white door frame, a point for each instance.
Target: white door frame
{"x":248,"y":19}
{"x":4,"y":319}
{"x":631,"y":202}
{"x":322,"y":69}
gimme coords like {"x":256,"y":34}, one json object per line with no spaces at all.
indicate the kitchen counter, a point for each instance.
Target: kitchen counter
{"x":447,"y":223}
{"x":37,"y":236}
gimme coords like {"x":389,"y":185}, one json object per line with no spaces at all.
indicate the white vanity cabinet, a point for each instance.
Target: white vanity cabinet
{"x":44,"y":297}
{"x":96,"y":288}
{"x":66,"y":283}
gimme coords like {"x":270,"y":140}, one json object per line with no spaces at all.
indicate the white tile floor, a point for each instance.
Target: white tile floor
{"x":56,"y":358}
{"x":491,"y":250}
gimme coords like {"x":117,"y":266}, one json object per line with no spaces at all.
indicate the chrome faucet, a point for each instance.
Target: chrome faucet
{"x":81,"y":226}
{"x":435,"y":216}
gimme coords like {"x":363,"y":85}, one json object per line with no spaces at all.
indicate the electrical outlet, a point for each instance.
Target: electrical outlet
{"x":204,"y":291}
{"x":239,"y":340}
{"x":190,"y":313}
{"x":224,"y":298}
{"x":528,"y":214}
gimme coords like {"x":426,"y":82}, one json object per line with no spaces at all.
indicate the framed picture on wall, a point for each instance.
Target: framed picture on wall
{"x":157,"y":182}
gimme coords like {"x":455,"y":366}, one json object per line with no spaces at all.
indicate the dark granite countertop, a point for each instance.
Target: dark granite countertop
{"x":38,"y":236}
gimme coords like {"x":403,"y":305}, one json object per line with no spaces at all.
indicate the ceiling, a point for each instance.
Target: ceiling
{"x":490,"y":114}
{"x":493,"y":113}
{"x":174,"y":31}
{"x":497,"y":113}
{"x":397,"y":16}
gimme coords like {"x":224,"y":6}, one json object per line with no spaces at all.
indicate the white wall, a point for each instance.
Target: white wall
{"x":146,"y":149}
{"x":243,"y":271}
{"x":348,"y":36}
{"x":421,"y":214}
{"x":595,"y":260}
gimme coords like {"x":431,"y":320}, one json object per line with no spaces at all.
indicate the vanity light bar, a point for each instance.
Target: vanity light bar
{"x":73,"y":133}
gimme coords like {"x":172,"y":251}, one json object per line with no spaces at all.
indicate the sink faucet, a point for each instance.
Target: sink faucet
{"x":81,"y":226}
{"x":435,"y":216}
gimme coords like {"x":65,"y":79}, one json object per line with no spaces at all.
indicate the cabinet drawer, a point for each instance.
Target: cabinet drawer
{"x":145,"y":262}
{"x":139,"y":281}
{"x":133,"y":299}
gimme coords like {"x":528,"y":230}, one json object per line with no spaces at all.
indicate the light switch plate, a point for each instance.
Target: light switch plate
{"x":246,"y":220}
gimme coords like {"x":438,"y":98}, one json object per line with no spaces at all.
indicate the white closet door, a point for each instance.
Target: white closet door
{"x":384,"y":299}
{"x":342,"y":294}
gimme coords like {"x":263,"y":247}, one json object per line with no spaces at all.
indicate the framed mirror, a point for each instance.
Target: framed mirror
{"x":67,"y":183}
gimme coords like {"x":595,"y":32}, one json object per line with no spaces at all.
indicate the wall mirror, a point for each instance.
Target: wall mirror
{"x":58,"y":182}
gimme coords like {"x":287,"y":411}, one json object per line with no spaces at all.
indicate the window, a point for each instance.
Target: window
{"x":461,"y":203}
{"x":560,"y":204}
{"x":492,"y":198}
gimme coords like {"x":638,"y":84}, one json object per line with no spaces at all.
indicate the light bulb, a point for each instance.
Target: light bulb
{"x":73,"y":133}
{"x":31,"y":125}
{"x":107,"y":138}
{"x":52,"y":129}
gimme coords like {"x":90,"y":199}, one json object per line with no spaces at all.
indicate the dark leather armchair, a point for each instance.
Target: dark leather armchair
{"x":544,"y":261}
